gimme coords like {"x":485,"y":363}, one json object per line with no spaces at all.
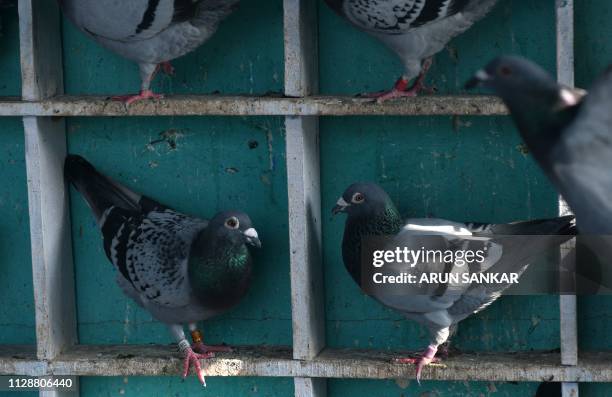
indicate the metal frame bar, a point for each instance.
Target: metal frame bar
{"x":309,"y":362}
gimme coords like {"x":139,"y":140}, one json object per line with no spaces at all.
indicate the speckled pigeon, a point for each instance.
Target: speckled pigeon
{"x":414,"y":29}
{"x":568,"y":133}
{"x":148,"y":32}
{"x":179,"y":268}
{"x":439,"y":306}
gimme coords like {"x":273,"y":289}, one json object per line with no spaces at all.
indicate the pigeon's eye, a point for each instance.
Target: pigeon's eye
{"x":358,"y":198}
{"x":505,"y":71}
{"x":232,"y":223}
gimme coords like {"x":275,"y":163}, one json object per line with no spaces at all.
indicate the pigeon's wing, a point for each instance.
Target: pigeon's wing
{"x":474,"y":300}
{"x":146,"y":241}
{"x":434,"y":238}
{"x":582,"y":159}
{"x":102,"y":193}
{"x":464,"y":236}
{"x":151,"y":253}
{"x":510,"y":248}
{"x":522,"y":242}
{"x":399,"y":16}
{"x":123,"y":20}
{"x":210,"y":13}
{"x":184,"y":10}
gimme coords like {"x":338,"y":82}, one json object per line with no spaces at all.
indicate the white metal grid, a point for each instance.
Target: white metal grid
{"x":309,"y":362}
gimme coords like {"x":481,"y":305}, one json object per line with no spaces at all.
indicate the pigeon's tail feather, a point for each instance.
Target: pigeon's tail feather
{"x":562,"y":226}
{"x":100,"y":192}
{"x":211,"y":12}
{"x":523,"y":242}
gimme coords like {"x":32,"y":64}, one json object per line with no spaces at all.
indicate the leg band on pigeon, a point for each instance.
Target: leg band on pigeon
{"x":196,"y":336}
{"x":401,"y":84}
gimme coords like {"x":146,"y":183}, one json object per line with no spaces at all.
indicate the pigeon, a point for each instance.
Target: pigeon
{"x":415,"y":30}
{"x":439,"y":306}
{"x":549,"y":389}
{"x":148,"y":32}
{"x":568,"y":132}
{"x":179,"y":268}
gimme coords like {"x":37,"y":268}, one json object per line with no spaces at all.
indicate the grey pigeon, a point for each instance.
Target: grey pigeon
{"x":439,"y":306}
{"x":415,"y":30}
{"x":568,"y":133}
{"x":179,"y":268}
{"x":148,"y":32}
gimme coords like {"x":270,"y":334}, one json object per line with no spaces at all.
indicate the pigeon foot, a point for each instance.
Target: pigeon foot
{"x":401,"y":89}
{"x":130,"y":99}
{"x":193,"y":359}
{"x":420,"y":361}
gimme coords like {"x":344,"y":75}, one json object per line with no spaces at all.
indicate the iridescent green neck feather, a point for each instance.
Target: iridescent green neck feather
{"x":387,"y":222}
{"x":219,"y":273}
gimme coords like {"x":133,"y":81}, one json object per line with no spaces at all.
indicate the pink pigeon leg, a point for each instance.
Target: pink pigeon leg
{"x":424,"y":359}
{"x":131,"y":98}
{"x":401,"y":88}
{"x":200,"y":347}
{"x":193,"y":359}
{"x":147,"y":74}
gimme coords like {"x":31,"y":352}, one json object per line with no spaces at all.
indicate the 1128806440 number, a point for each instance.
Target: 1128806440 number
{"x":43,"y":383}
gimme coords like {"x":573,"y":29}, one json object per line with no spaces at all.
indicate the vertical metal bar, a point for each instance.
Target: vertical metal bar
{"x":45,"y":143}
{"x":303,"y":173}
{"x":565,"y":75}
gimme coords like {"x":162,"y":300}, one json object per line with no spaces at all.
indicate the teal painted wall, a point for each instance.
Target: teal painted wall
{"x":463,"y":168}
{"x":16,"y":295}
{"x":406,"y":388}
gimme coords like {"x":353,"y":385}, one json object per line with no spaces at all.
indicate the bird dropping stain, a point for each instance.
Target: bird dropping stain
{"x":170,"y":137}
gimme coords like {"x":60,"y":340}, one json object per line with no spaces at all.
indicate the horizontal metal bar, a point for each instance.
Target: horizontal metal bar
{"x":73,"y":106}
{"x":148,"y":360}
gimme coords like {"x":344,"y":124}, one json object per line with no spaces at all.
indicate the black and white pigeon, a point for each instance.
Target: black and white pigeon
{"x":568,"y":132}
{"x":149,"y":32}
{"x":415,"y":30}
{"x":180,"y":268}
{"x":439,"y":306}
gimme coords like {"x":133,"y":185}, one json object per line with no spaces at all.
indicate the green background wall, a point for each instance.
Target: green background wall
{"x":463,"y":168}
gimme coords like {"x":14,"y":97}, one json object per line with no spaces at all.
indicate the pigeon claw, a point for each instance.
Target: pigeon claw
{"x":395,"y":94}
{"x":204,"y":349}
{"x":420,"y":360}
{"x":192,"y":358}
{"x":401,"y":88}
{"x":130,"y":99}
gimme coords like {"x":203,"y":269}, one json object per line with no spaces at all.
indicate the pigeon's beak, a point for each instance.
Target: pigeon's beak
{"x":478,"y":80}
{"x":341,"y":206}
{"x":252,"y":238}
